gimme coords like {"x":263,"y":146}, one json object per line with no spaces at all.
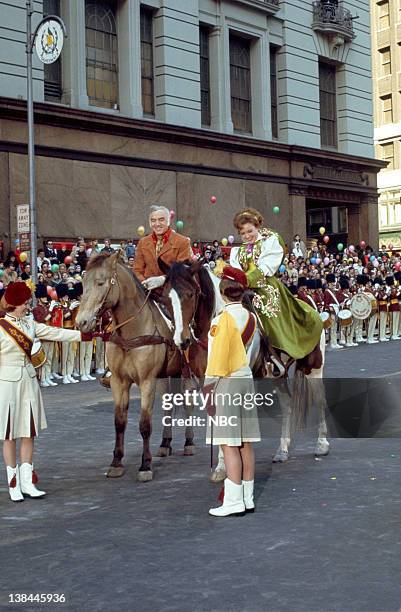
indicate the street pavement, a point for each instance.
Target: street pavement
{"x":325,"y":537}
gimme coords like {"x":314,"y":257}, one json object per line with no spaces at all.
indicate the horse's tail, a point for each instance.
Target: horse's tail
{"x":300,"y":400}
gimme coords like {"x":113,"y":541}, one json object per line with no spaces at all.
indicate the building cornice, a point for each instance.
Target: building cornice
{"x":92,"y":121}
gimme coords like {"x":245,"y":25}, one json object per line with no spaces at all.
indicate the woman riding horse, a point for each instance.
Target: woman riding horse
{"x":290,"y":325}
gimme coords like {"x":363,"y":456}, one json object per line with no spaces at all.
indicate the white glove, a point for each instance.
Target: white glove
{"x":154,"y":282}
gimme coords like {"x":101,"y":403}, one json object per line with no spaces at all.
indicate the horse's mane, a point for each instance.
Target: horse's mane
{"x":181,"y":270}
{"x":96,"y":261}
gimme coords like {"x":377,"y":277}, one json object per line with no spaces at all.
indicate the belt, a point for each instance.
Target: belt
{"x":393,"y":301}
{"x":383,"y":303}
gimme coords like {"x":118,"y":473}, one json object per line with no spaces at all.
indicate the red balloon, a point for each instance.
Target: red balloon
{"x":213,"y":199}
{"x":397,"y":266}
{"x":49,"y":290}
{"x":53,"y":294}
{"x":362,"y":244}
{"x":67,"y":260}
{"x":326,"y":239}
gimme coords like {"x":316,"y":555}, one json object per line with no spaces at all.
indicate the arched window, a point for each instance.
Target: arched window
{"x":101,"y":53}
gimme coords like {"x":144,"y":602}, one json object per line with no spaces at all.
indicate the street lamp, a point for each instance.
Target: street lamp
{"x":48,"y":39}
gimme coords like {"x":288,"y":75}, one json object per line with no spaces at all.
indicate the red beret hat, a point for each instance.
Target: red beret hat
{"x":17,"y":294}
{"x":236,"y":275}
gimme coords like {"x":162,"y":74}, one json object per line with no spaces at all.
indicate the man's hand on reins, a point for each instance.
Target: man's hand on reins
{"x":154,"y":282}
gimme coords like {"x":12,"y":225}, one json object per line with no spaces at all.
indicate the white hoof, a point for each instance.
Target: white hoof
{"x":322,"y":448}
{"x":145,"y":476}
{"x":281,"y":456}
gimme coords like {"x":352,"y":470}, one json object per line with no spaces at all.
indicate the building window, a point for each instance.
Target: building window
{"x":385,"y":57}
{"x":147,"y":77}
{"x":388,"y":154}
{"x":204,"y":74}
{"x":384,"y":15}
{"x":273,"y":90}
{"x":240,"y":81}
{"x":387,"y":109}
{"x":52,"y":72}
{"x":101,"y":53}
{"x":328,"y":106}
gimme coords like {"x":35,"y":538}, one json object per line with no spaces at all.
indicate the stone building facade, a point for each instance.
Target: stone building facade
{"x":259,"y":102}
{"x":386,"y":40}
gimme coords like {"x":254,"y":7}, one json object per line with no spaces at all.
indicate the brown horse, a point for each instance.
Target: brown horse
{"x":141,"y":348}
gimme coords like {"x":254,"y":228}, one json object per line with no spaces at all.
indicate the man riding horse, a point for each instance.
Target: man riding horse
{"x":163,"y":242}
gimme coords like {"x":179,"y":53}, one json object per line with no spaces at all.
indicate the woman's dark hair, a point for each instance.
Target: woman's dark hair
{"x":232,"y":290}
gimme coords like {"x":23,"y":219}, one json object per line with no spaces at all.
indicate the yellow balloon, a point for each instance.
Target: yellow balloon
{"x":141,"y":230}
{"x":224,"y":241}
{"x":23,"y":257}
{"x":322,"y":230}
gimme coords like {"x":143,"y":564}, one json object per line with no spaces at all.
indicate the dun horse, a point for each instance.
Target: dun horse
{"x":141,"y":348}
{"x":313,"y":391}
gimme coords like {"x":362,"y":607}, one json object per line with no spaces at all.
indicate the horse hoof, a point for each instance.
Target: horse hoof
{"x":189,"y":450}
{"x":115,"y":472}
{"x":164,"y":451}
{"x":145,"y":476}
{"x":280,"y":457}
{"x":322,"y":450}
{"x":218,"y":476}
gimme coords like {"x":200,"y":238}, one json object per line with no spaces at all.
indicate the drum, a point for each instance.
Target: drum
{"x":345,"y":317}
{"x":361,"y":306}
{"x":325,"y":316}
{"x":373,"y":302}
{"x":38,"y":355}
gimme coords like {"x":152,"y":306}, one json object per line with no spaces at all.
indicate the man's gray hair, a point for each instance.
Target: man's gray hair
{"x":156,"y":207}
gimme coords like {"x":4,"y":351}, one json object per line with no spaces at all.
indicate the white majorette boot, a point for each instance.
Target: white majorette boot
{"x":71,"y":378}
{"x":56,"y":376}
{"x":66,"y":380}
{"x":233,"y":504}
{"x":28,"y":481}
{"x":84,"y":378}
{"x":14,"y":487}
{"x":248,"y":495}
{"x":51,"y":382}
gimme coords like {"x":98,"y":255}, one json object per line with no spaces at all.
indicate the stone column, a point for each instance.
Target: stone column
{"x":129,"y":57}
{"x":74,"y":55}
{"x":220,"y":91}
{"x":357,"y":225}
{"x":260,"y":88}
{"x":370,"y":212}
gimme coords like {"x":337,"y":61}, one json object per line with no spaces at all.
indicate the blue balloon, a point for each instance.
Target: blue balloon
{"x":282,"y":268}
{"x":372,"y":258}
{"x":313,"y":260}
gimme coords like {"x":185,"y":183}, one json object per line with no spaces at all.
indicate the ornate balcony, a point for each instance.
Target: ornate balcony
{"x":333,"y":20}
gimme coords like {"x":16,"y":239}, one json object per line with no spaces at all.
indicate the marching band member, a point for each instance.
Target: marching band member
{"x":41,"y":313}
{"x":22,"y":413}
{"x":102,"y":335}
{"x":332,"y":306}
{"x":228,"y":373}
{"x":383,"y":313}
{"x":372,"y":319}
{"x":344,"y":297}
{"x":67,"y":352}
{"x":361,"y":280}
{"x":85,"y":349}
{"x":56,"y":320}
{"x":302,"y":289}
{"x":393,"y":308}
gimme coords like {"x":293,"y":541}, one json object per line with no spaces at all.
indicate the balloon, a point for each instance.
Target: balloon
{"x":180,"y":225}
{"x":340,"y":246}
{"x":55,"y":267}
{"x":397,"y":266}
{"x":16,"y":241}
{"x":372,"y":258}
{"x":282,"y":268}
{"x":322,"y":230}
{"x":351,"y":248}
{"x":1,"y":286}
{"x":53,"y":294}
{"x":231,"y":239}
{"x":350,"y":260}
{"x":326,"y":239}
{"x":276,"y":209}
{"x":172,"y":214}
{"x":326,"y":261}
{"x":213,"y":200}
{"x":67,"y":260}
{"x":362,"y":244}
{"x":384,"y":259}
{"x":49,"y":290}
{"x":23,"y":257}
{"x":140,"y":230}
{"x":318,"y":260}
{"x":224,"y":241}
{"x":1,"y":272}
{"x":376,"y":263}
{"x":313,"y":260}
